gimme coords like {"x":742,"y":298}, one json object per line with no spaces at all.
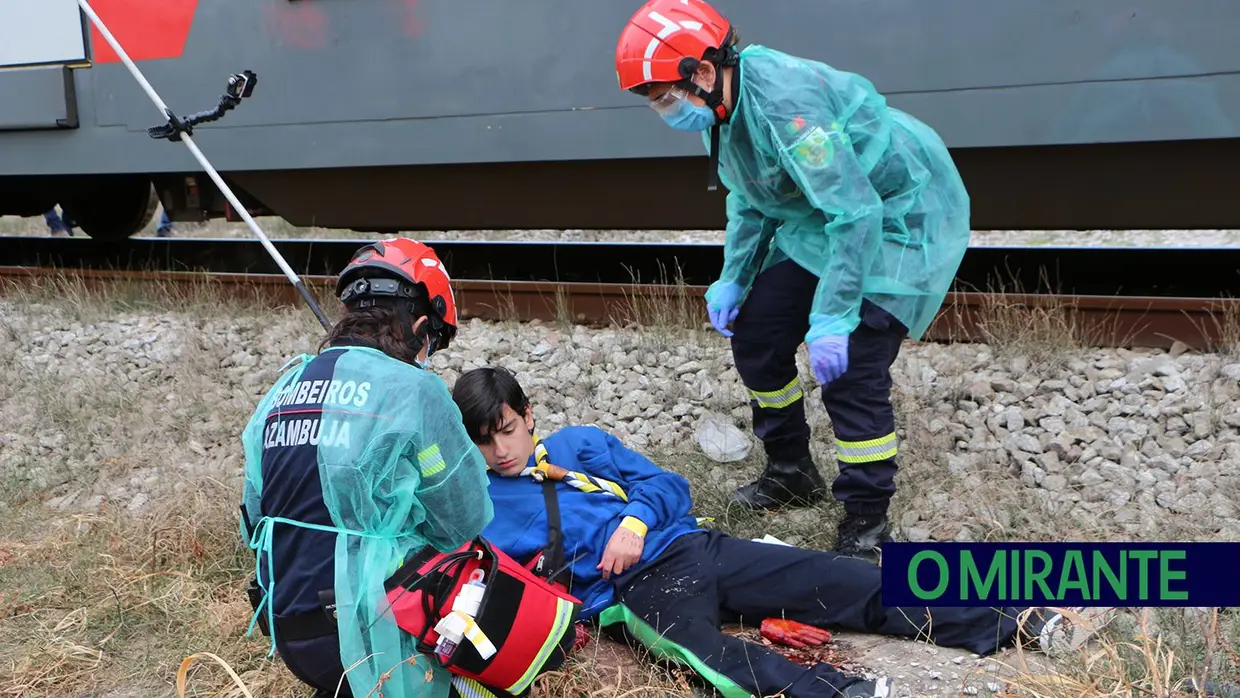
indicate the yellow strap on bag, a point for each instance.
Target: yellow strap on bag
{"x":462,"y":624}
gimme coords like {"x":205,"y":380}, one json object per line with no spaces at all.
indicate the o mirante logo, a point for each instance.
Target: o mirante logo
{"x":1061,"y":574}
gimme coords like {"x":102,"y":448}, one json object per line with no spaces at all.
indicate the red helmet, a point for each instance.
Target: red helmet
{"x":666,"y":39}
{"x":404,"y":264}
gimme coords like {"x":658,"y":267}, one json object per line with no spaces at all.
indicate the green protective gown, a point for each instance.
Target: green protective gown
{"x":398,"y":473}
{"x":821,"y":171}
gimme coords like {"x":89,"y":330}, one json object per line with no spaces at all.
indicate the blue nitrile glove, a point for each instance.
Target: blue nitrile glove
{"x":828,"y":356}
{"x":722,"y":305}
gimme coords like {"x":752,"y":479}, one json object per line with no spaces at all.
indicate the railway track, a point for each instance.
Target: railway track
{"x":1134,"y":297}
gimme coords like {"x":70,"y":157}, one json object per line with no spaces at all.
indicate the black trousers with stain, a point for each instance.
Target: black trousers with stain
{"x":675,"y":604}
{"x":766,"y":334}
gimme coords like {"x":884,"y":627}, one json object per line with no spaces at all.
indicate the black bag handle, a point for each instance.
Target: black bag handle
{"x":488,"y":576}
{"x":551,"y":564}
{"x":436,"y":610}
{"x":408,"y":579}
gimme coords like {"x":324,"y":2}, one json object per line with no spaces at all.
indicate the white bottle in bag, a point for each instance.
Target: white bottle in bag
{"x":469,"y":598}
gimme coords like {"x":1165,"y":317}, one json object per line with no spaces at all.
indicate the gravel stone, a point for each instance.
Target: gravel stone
{"x":117,"y":409}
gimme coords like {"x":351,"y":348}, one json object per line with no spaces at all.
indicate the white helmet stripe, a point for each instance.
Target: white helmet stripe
{"x":669,"y":27}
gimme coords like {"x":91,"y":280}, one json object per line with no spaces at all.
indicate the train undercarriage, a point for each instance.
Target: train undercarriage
{"x":1160,"y":185}
{"x":368,"y":117}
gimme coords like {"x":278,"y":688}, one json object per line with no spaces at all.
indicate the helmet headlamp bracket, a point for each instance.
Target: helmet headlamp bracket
{"x":364,"y":292}
{"x":375,"y":291}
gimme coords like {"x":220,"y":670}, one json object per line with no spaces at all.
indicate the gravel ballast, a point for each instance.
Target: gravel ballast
{"x":1134,"y":443}
{"x":108,"y":410}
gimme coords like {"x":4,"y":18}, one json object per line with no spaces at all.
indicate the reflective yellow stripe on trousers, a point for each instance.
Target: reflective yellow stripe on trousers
{"x":775,"y":399}
{"x":869,"y":451}
{"x":468,"y":688}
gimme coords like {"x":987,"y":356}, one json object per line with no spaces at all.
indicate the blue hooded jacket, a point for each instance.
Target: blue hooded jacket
{"x":660,"y":499}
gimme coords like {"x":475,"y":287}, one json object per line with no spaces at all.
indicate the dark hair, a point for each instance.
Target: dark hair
{"x":386,"y":324}
{"x":481,"y":394}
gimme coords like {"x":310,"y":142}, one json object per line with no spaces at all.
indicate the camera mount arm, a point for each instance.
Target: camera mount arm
{"x":240,"y":86}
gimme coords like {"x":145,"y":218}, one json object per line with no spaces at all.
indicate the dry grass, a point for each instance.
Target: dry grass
{"x":665,"y":304}
{"x":605,"y":669}
{"x":1042,"y":329}
{"x":1043,"y":333}
{"x":95,"y":299}
{"x":98,"y":600}
{"x":105,"y":602}
{"x":1046,"y":330}
{"x":666,"y":311}
{"x":1136,"y":661}
{"x":1224,"y":325}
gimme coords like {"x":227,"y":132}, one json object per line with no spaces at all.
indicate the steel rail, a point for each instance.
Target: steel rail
{"x":1185,"y":272}
{"x":1134,"y":321}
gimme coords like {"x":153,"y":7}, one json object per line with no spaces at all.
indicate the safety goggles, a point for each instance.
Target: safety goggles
{"x":668,"y":100}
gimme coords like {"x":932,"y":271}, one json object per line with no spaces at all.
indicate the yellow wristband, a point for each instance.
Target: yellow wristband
{"x":635,"y":525}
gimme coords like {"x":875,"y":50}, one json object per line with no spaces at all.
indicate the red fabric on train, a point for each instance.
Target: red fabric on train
{"x":527,"y":619}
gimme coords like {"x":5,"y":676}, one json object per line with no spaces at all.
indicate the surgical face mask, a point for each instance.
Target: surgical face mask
{"x":681,"y":114}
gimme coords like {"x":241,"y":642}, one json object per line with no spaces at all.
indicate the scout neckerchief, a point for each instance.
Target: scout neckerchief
{"x":586,"y":483}
{"x":545,"y":469}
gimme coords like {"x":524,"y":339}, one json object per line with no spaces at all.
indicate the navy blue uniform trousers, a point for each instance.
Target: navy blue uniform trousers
{"x":316,"y":663}
{"x":708,"y":578}
{"x":766,"y":334}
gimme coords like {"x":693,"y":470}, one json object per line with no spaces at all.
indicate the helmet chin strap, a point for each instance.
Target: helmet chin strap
{"x":714,"y":100}
{"x":721,"y":116}
{"x":427,"y":336}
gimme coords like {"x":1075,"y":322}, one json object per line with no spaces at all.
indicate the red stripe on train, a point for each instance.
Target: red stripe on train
{"x":146,"y":30}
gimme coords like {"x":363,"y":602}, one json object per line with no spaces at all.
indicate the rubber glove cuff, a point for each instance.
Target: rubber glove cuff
{"x":828,"y":357}
{"x":822,"y":325}
{"x":722,"y":303}
{"x":723,"y":295}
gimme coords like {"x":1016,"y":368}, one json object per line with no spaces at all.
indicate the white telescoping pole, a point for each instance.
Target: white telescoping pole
{"x":206,"y":165}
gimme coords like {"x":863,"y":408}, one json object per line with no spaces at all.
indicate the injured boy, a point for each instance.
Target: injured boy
{"x":645,"y":571}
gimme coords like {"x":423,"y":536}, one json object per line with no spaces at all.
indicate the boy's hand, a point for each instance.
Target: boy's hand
{"x":622,"y":552}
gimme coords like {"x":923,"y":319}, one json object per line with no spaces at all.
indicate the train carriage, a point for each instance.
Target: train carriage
{"x":381,"y":115}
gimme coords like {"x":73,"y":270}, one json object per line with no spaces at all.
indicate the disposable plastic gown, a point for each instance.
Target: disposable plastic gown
{"x":404,"y":475}
{"x":820,"y":170}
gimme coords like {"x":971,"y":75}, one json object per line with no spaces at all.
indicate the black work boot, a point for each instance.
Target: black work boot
{"x":784,"y":482}
{"x":862,"y":535}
